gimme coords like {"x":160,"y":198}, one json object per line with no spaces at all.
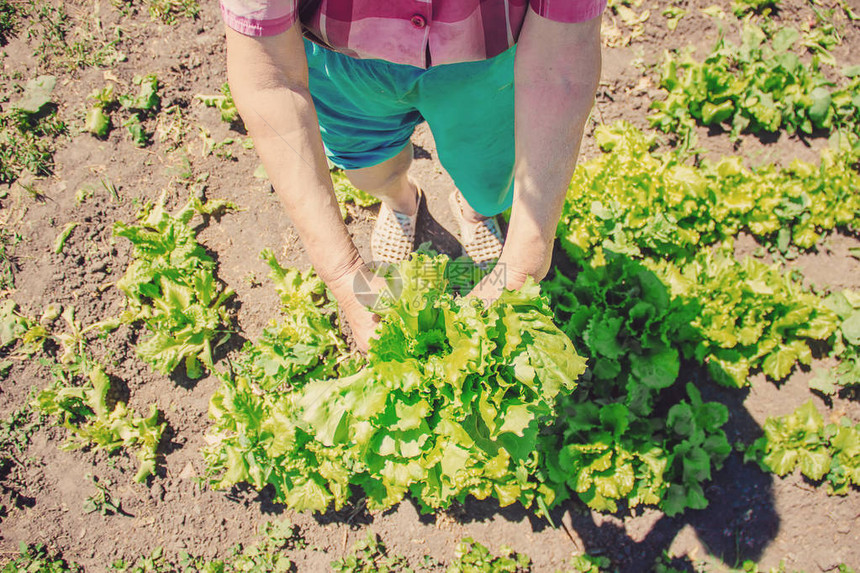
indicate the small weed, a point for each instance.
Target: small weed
{"x":181,"y":169}
{"x":743,"y":7}
{"x":10,"y":14}
{"x":171,"y":127}
{"x":251,"y":280}
{"x":169,"y":10}
{"x":110,"y":188}
{"x":368,"y":555}
{"x":472,"y":556}
{"x":28,"y":130}
{"x":38,"y":558}
{"x":60,"y":242}
{"x":8,"y":240}
{"x":166,"y":11}
{"x":82,"y":194}
{"x":221,"y":149}
{"x":68,"y":44}
{"x":15,"y":434}
{"x":101,"y":501}
{"x":267,"y":555}
{"x":27,"y":143}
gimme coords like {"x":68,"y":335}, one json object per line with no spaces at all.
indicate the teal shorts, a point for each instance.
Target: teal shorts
{"x":368,"y":110}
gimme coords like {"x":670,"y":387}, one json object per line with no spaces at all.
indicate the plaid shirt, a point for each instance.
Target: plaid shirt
{"x":414,"y":32}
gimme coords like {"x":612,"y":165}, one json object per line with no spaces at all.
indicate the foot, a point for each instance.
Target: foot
{"x":482,"y":239}
{"x":393,"y":237}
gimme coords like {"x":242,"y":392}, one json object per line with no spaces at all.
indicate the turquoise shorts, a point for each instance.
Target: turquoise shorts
{"x":368,"y":109}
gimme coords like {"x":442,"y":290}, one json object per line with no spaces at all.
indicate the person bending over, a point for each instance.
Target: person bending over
{"x":505,"y":86}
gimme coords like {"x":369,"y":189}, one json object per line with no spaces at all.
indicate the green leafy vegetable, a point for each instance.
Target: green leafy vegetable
{"x":60,"y":242}
{"x":14,"y":326}
{"x":613,"y":439}
{"x":643,"y":204}
{"x":143,"y":105}
{"x":845,"y":344}
{"x":78,"y":400}
{"x":98,"y":121}
{"x":801,"y":440}
{"x":758,"y":86}
{"x":224,"y":103}
{"x":742,"y":7}
{"x":657,"y":208}
{"x":147,"y":99}
{"x":588,"y":564}
{"x":752,"y":315}
{"x":673,"y":15}
{"x":450,"y":403}
{"x":171,"y":288}
{"x":347,"y":193}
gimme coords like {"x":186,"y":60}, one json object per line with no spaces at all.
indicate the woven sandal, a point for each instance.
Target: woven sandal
{"x":393,"y":237}
{"x":482,"y":241}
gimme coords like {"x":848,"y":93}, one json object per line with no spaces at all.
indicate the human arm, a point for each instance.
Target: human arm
{"x":268,"y":78}
{"x":556,"y":72}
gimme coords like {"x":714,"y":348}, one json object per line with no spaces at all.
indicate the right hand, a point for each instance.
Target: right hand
{"x":361,"y":321}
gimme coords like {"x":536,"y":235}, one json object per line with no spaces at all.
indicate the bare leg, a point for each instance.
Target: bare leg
{"x":389,"y":183}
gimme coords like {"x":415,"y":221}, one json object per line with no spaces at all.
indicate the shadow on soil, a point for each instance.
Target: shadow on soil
{"x":738,"y":524}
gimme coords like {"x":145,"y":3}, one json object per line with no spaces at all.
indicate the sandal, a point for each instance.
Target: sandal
{"x":482,"y":241}
{"x":393,"y":236}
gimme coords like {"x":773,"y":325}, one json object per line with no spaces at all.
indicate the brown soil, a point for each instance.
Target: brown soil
{"x":751,"y":515}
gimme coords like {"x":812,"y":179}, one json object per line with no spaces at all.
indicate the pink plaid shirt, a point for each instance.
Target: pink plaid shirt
{"x":414,"y":32}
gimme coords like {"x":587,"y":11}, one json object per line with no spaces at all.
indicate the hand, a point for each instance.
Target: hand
{"x":494,"y":283}
{"x":362,"y":323}
{"x":354,"y":301}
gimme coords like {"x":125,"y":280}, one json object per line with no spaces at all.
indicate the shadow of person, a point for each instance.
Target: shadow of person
{"x":738,"y":524}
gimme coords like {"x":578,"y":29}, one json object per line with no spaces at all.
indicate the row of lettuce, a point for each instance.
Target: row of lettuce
{"x":455,"y":400}
{"x":760,"y":86}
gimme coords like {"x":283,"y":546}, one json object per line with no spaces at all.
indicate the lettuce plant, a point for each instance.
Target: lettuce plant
{"x":801,"y":440}
{"x":450,"y":402}
{"x":170,"y":286}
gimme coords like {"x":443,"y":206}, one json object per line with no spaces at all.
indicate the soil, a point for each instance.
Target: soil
{"x":751,"y":515}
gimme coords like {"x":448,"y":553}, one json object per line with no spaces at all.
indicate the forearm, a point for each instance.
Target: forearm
{"x":289,"y":145}
{"x":554,"y":93}
{"x":280,"y":117}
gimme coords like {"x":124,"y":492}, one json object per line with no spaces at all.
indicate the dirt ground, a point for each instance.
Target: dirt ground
{"x":751,"y":515}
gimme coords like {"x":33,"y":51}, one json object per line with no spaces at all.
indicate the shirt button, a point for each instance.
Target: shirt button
{"x":418,"y":21}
